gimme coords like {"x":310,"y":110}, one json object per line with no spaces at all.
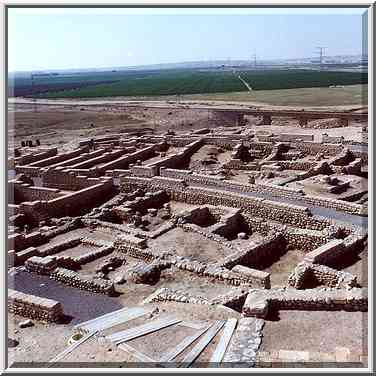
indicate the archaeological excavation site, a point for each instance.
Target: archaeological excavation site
{"x":235,"y":240}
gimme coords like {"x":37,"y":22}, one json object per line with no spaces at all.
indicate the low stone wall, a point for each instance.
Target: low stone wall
{"x":234,"y":299}
{"x":34,"y":307}
{"x":255,"y":255}
{"x":148,"y":273}
{"x":298,"y":216}
{"x":259,"y":302}
{"x":334,"y":250}
{"x":313,"y":148}
{"x":94,"y":255}
{"x":295,"y":137}
{"x":59,"y":247}
{"x":41,"y":265}
{"x":258,"y":277}
{"x":165,"y":294}
{"x":320,"y":274}
{"x":73,"y":279}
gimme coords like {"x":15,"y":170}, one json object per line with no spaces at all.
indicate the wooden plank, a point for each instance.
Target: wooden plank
{"x":138,"y":331}
{"x":70,"y":348}
{"x":115,"y":318}
{"x":200,"y":346}
{"x":99,"y":318}
{"x":194,"y":324}
{"x":173,"y":353}
{"x":135,"y":353}
{"x":220,"y":350}
{"x":112,"y":319}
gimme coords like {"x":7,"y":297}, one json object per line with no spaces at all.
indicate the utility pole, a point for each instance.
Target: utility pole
{"x":321,"y":54}
{"x":254,"y":60}
{"x":32,"y":91}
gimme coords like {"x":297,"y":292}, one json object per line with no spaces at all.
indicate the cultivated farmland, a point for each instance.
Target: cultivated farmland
{"x":177,"y":82}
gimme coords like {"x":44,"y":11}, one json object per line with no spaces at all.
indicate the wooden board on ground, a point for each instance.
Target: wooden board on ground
{"x":200,"y":346}
{"x":135,"y":353}
{"x":173,"y":353}
{"x":70,"y":348}
{"x":111,"y":319}
{"x":220,"y":350}
{"x":138,"y":331}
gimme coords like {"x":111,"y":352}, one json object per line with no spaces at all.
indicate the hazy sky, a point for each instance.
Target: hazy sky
{"x":89,"y":38}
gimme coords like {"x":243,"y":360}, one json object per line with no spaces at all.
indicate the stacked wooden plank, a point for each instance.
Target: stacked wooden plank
{"x":111,"y":319}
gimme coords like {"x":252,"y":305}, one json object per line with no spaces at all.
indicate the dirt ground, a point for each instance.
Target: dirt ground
{"x":65,"y":125}
{"x":35,"y":345}
{"x":316,"y":333}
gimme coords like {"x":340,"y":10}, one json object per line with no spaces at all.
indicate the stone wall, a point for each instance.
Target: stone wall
{"x":255,"y":255}
{"x":259,"y":302}
{"x":34,"y":307}
{"x":329,"y":253}
{"x":321,"y":275}
{"x":73,"y":279}
{"x":298,"y":216}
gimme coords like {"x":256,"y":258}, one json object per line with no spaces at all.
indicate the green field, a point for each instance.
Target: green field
{"x":184,"y":82}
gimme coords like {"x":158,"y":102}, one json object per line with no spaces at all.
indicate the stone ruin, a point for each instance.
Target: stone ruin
{"x":122,"y":204}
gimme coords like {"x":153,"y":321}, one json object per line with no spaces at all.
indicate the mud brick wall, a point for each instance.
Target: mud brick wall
{"x":259,"y":302}
{"x":18,"y":242}
{"x":27,"y":192}
{"x":61,"y":178}
{"x":28,"y":170}
{"x":124,"y":161}
{"x":81,"y":158}
{"x":87,"y":198}
{"x":59,"y":247}
{"x":59,"y":158}
{"x":31,"y":158}
{"x":105,"y":157}
{"x":13,"y":210}
{"x":73,"y":279}
{"x":34,"y":307}
{"x":144,"y":171}
{"x":174,"y":160}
